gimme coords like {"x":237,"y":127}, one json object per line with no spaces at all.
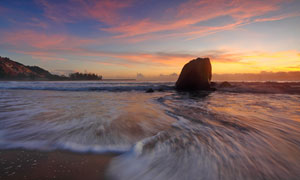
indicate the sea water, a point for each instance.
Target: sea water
{"x":250,"y":130}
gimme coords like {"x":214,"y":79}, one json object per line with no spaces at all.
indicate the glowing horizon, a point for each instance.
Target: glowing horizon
{"x":123,"y":38}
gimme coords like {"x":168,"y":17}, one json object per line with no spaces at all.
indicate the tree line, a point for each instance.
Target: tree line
{"x":84,"y":76}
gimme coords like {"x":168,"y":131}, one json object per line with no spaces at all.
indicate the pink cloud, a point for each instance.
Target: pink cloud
{"x":56,"y":47}
{"x":278,"y":17}
{"x":192,"y":12}
{"x":132,"y":58}
{"x":29,"y":38}
{"x":106,"y":11}
{"x":2,"y":10}
{"x":35,"y":22}
{"x":178,"y":21}
{"x":43,"y":56}
{"x":61,"y":12}
{"x":48,"y":58}
{"x":49,"y":47}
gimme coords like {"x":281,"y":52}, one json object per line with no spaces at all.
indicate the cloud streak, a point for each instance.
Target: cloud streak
{"x":178,"y":21}
{"x":106,"y":11}
{"x":193,"y":12}
{"x":57,"y":47}
{"x":100,"y":31}
{"x":38,"y":40}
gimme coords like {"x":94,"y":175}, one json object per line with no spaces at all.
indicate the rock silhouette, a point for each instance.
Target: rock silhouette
{"x":12,"y":70}
{"x":195,"y":75}
{"x":150,"y":90}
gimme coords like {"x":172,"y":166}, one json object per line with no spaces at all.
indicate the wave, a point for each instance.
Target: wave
{"x":219,"y":136}
{"x":120,"y":88}
{"x":175,"y":135}
{"x":234,"y":87}
{"x":104,"y":88}
{"x":69,"y":146}
{"x":260,"y":87}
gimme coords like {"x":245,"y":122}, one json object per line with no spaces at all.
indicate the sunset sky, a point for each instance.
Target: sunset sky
{"x":152,"y":37}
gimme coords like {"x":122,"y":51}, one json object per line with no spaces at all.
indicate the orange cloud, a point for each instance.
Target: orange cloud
{"x":254,"y":62}
{"x":49,"y":47}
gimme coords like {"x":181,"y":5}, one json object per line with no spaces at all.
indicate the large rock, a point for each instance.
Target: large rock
{"x":195,"y":75}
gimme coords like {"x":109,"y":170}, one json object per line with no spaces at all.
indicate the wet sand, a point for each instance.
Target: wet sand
{"x":37,"y":165}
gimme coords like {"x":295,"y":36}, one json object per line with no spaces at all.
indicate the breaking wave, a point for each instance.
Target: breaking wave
{"x":237,"y":87}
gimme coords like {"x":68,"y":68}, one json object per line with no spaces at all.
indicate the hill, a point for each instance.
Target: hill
{"x":12,"y":70}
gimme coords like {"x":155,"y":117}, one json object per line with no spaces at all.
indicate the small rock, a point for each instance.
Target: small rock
{"x":225,"y":84}
{"x":150,"y":90}
{"x":161,"y":89}
{"x":213,"y":84}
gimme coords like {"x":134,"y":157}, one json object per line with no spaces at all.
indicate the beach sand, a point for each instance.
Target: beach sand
{"x":25,"y":164}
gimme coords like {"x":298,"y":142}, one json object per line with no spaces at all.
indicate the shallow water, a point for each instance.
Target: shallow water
{"x":247,"y":131}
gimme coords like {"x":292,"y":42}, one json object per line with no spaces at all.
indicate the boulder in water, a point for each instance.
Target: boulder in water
{"x":150,"y":90}
{"x":195,"y":75}
{"x":225,"y":84}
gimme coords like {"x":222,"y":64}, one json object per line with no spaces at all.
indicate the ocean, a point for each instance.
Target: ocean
{"x":249,"y":130}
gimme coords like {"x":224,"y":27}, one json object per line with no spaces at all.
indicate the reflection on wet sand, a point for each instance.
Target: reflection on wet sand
{"x":37,"y":165}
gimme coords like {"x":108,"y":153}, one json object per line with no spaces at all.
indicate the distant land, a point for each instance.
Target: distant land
{"x":12,"y":70}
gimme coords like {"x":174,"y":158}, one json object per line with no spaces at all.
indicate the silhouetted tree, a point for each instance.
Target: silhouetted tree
{"x":84,"y":76}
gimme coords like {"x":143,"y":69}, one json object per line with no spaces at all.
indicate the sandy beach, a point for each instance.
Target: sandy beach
{"x":25,"y":164}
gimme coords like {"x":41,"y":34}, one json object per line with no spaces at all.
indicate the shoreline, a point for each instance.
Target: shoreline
{"x":17,"y":164}
{"x":47,"y":80}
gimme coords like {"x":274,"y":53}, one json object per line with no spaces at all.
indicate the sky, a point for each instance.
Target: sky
{"x":126,"y":38}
